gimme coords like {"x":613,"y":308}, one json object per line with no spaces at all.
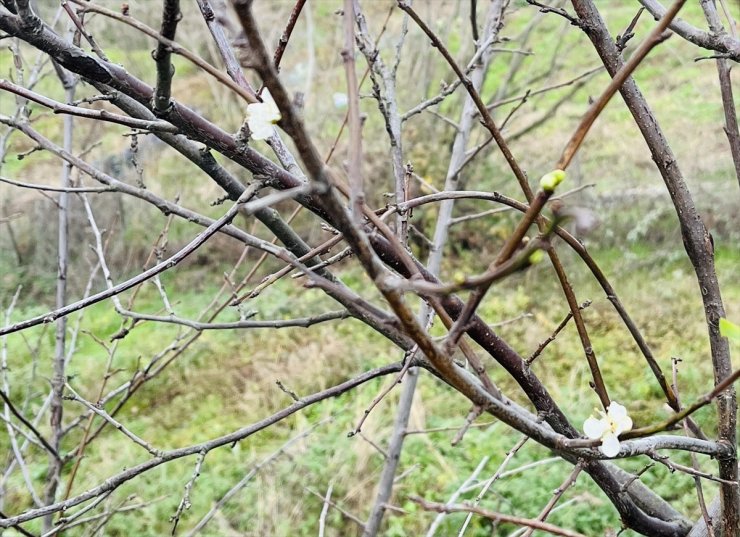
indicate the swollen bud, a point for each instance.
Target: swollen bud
{"x":536,"y":257}
{"x":550,"y":180}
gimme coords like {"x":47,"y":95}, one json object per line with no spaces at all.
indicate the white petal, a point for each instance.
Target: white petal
{"x":615,"y":410}
{"x":621,"y":421}
{"x":255,"y":110}
{"x":272,"y":112}
{"x":623,"y":424}
{"x":595,"y":428}
{"x":267,"y":96}
{"x":265,"y":112}
{"x":261,"y":130}
{"x":610,"y":445}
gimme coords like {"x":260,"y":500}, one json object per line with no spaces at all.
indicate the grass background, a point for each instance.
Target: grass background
{"x":227,"y":380}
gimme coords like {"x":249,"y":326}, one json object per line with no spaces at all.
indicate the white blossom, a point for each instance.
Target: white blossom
{"x":608,"y":428}
{"x":340,"y":100}
{"x":262,"y":116}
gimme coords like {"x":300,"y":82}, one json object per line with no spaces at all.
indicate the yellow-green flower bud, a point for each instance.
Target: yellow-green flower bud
{"x":536,"y":257}
{"x":550,"y":180}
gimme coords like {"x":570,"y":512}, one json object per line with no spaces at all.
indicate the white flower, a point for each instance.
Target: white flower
{"x":340,"y":100}
{"x":608,"y":428}
{"x":262,"y":116}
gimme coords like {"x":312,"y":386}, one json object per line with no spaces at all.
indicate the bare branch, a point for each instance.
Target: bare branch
{"x":500,"y":517}
{"x":725,"y":86}
{"x":722,"y":43}
{"x":285,"y":36}
{"x":165,"y":70}
{"x":654,"y":38}
{"x":171,"y":45}
{"x":698,"y":248}
{"x":102,"y":115}
{"x":117,"y":480}
{"x":107,"y":417}
{"x":161,"y":267}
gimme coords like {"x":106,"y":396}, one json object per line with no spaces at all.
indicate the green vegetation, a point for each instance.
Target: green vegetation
{"x":226,"y":380}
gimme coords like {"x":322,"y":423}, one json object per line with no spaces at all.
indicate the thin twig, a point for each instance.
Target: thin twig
{"x":325,"y":510}
{"x":250,"y":475}
{"x":117,"y":480}
{"x":654,"y":38}
{"x":491,"y":480}
{"x":100,"y":115}
{"x":491,"y":515}
{"x":185,"y":502}
{"x":241,"y":205}
{"x":541,"y":347}
{"x":455,"y":495}
{"x":725,"y":86}
{"x":174,"y":47}
{"x":569,"y":482}
{"x":285,"y":36}
{"x":107,"y":417}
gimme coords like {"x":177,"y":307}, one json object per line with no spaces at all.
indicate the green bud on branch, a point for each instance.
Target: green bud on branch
{"x":550,"y":180}
{"x":536,"y":257}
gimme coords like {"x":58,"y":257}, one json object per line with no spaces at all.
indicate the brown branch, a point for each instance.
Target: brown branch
{"x":165,"y":70}
{"x":285,"y":36}
{"x":702,"y":401}
{"x":725,"y":86}
{"x":81,"y":28}
{"x":581,"y":250}
{"x":654,"y":38}
{"x":497,"y":517}
{"x":697,"y":243}
{"x":100,"y":115}
{"x":541,"y":347}
{"x":113,"y":482}
{"x":174,"y":47}
{"x":524,"y":185}
{"x":218,"y":141}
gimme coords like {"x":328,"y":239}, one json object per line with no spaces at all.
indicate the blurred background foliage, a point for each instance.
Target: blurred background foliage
{"x":226,"y":380}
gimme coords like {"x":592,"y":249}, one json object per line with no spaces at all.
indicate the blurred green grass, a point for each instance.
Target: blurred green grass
{"x":226,"y":380}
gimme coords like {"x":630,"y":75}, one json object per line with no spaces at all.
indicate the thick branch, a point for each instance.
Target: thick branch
{"x":722,"y":43}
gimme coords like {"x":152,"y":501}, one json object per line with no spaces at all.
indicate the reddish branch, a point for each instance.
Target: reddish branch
{"x":285,"y":36}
